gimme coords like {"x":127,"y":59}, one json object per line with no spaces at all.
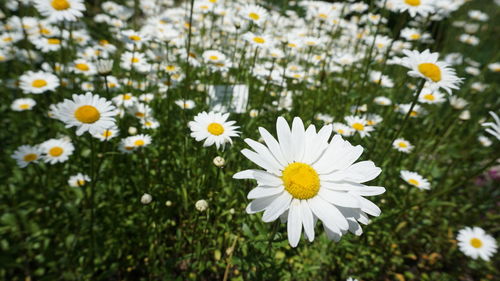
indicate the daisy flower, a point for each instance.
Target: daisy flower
{"x":402,"y":145}
{"x":126,"y":100}
{"x":214,"y":128}
{"x":27,"y":154}
{"x":38,"y":82}
{"x":381,"y":100}
{"x":415,"y":7}
{"x":138,"y":141}
{"x":86,"y":112}
{"x":494,"y":127}
{"x":78,"y":180}
{"x":60,"y":10}
{"x":106,"y":134}
{"x":150,"y":123}
{"x":254,"y":13}
{"x":47,"y":44}
{"x":426,"y":65}
{"x":343,"y":129}
{"x":475,"y":242}
{"x":185,"y":104}
{"x":359,"y":125}
{"x":57,"y":150}
{"x":415,"y":179}
{"x":23,"y":104}
{"x":430,"y":96}
{"x":307,"y":177}
{"x":495,"y":67}
{"x":81,"y":66}
{"x":262,"y":41}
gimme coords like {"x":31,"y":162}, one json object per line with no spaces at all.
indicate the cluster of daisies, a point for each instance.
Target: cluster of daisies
{"x":306,"y":174}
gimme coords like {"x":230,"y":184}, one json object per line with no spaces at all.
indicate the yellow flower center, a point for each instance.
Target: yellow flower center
{"x":476,"y":243}
{"x":107,"y":134}
{"x":323,"y":16}
{"x":7,"y":39}
{"x":213,"y":57}
{"x":139,"y":114}
{"x":431,"y":71}
{"x":134,"y":38}
{"x":413,"y":181}
{"x":415,"y":36}
{"x":301,"y":180}
{"x":402,"y":144}
{"x":340,"y":131}
{"x":87,"y":114}
{"x":429,"y":97}
{"x":24,"y":106}
{"x":134,"y":60}
{"x":414,"y":113}
{"x":56,"y":151}
{"x":127,"y":97}
{"x":139,"y":143}
{"x":103,"y":42}
{"x":413,"y":2}
{"x":358,"y":126}
{"x":259,"y":40}
{"x":170,"y":67}
{"x":82,"y":66}
{"x":60,"y":5}
{"x":80,"y":182}
{"x":53,"y":41}
{"x":38,"y":83}
{"x":215,"y":129}
{"x":254,"y":16}
{"x":30,"y":157}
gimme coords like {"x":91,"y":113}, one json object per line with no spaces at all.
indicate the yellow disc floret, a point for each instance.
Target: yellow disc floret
{"x":87,"y":114}
{"x":301,"y":180}
{"x":431,"y":71}
{"x":56,"y":151}
{"x":414,"y":3}
{"x":60,"y":5}
{"x":476,"y":243}
{"x":215,"y":129}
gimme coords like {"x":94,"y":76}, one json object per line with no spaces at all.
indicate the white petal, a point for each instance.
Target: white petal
{"x":307,"y":220}
{"x":294,"y":224}
{"x":327,"y":213}
{"x":369,"y":207}
{"x":264,"y":191}
{"x":362,"y":172}
{"x":273,"y":146}
{"x":259,"y":205}
{"x":339,"y":198}
{"x":277,"y":207}
{"x":284,"y":138}
{"x":298,"y":139}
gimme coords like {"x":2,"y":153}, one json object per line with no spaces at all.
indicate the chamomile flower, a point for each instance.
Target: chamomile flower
{"x":426,"y":65}
{"x":23,"y":104}
{"x":413,"y":34}
{"x":476,"y":243}
{"x":50,"y":44}
{"x":38,"y":82}
{"x":150,"y":123}
{"x":87,"y":112}
{"x":493,"y":128}
{"x":81,"y":66}
{"x":307,"y":177}
{"x":27,"y":154}
{"x":402,"y":145}
{"x":495,"y":67}
{"x":415,"y":179}
{"x":78,"y":180}
{"x":214,"y":128}
{"x":359,"y":125}
{"x":415,"y":7}
{"x":60,"y":10}
{"x":57,"y":150}
{"x":261,"y":41}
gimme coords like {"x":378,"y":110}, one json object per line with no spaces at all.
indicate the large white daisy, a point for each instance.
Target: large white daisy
{"x":493,"y":127}
{"x":87,"y":112}
{"x":307,"y":177}
{"x":475,"y":242}
{"x":57,"y":150}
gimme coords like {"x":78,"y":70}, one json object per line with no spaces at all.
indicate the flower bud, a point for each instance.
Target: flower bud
{"x":219,"y":161}
{"x":146,"y":198}
{"x":201,"y":205}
